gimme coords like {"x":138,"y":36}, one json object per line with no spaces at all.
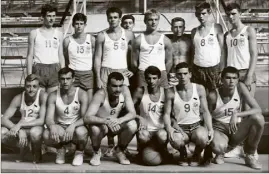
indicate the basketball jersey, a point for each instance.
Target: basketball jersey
{"x":238,"y":50}
{"x":152,"y":111}
{"x":207,"y":49}
{"x":46,"y":49}
{"x":80,"y":55}
{"x":106,"y":110}
{"x":30,"y":113}
{"x":67,"y":114}
{"x":115,"y":52}
{"x":223,"y":112}
{"x":187,"y":112}
{"x":152,"y":55}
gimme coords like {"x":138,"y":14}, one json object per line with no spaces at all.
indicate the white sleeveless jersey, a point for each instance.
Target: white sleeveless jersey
{"x":106,"y":110}
{"x":46,"y":49}
{"x":223,"y":112}
{"x":80,"y":55}
{"x":152,"y":111}
{"x":152,"y":55}
{"x":115,"y":52}
{"x":187,"y":112}
{"x":238,"y":50}
{"x":30,"y":113}
{"x":207,"y":49}
{"x":67,"y":114}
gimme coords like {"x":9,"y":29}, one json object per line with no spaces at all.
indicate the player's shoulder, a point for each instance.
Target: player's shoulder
{"x":17,"y":99}
{"x":33,"y":33}
{"x":67,"y":40}
{"x":218,"y":28}
{"x":52,"y":95}
{"x":139,"y":92}
{"x":169,"y":92}
{"x":251,"y":30}
{"x":212,"y":96}
{"x":200,"y":88}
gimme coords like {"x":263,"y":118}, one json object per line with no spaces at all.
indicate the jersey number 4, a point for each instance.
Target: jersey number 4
{"x":66,"y":111}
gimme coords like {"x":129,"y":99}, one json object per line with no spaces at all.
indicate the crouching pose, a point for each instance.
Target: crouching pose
{"x":65,"y":108}
{"x":188,"y":101}
{"x":225,"y":104}
{"x":105,"y":117}
{"x":32,"y":105}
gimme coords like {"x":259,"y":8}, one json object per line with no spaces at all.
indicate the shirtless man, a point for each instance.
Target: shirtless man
{"x":65,"y":108}
{"x":32,"y":105}
{"x":45,"y":50}
{"x":152,"y":48}
{"x":111,"y":111}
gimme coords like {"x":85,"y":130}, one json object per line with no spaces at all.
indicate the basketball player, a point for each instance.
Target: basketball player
{"x":32,"y":105}
{"x":225,"y":103}
{"x":149,"y":102}
{"x":152,"y":48}
{"x":45,"y":53}
{"x":65,"y":108}
{"x":128,"y":22}
{"x":78,"y":52}
{"x":186,"y":101}
{"x":105,"y":116}
{"x":207,"y":44}
{"x":111,"y":49}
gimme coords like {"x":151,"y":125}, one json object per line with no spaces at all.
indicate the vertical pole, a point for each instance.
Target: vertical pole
{"x":218,"y":14}
{"x":84,"y":10}
{"x":145,"y":6}
{"x":74,"y":6}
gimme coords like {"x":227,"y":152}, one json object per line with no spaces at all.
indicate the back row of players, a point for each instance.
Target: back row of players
{"x":152,"y":55}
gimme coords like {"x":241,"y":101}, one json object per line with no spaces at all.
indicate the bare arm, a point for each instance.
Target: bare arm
{"x":93,"y":40}
{"x":212,"y":100}
{"x":60,"y":51}
{"x":169,"y":97}
{"x":50,"y":114}
{"x":135,"y":53}
{"x":225,"y":51}
{"x":193,"y":31}
{"x":253,"y":51}
{"x":98,"y":57}
{"x":30,"y":52}
{"x":65,"y":50}
{"x":130,"y":36}
{"x":168,"y":54}
{"x":138,"y":94}
{"x":220,"y":38}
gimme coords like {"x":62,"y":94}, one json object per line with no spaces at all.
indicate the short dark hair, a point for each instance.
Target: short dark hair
{"x":114,"y":10}
{"x":232,"y":6}
{"x":66,"y":70}
{"x":229,"y":69}
{"x":32,"y":77}
{"x":176,"y":19}
{"x":48,"y":8}
{"x":202,"y":6}
{"x":124,"y":17}
{"x":114,"y":75}
{"x":183,"y":65}
{"x":152,"y":70}
{"x":79,"y":17}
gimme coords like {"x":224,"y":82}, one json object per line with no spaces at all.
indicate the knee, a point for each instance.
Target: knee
{"x":4,"y":132}
{"x":81,"y":132}
{"x":132,"y":126}
{"x":258,"y":119}
{"x":46,"y":136}
{"x":219,"y":147}
{"x":36,"y":133}
{"x":201,"y":138}
{"x":162,"y":136}
{"x":97,"y":130}
{"x":143,"y":136}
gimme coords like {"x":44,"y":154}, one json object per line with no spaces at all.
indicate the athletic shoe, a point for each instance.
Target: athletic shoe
{"x":60,"y":157}
{"x":95,"y":160}
{"x":256,"y":155}
{"x":219,"y":159}
{"x":121,"y":157}
{"x":183,"y":159}
{"x":23,"y":152}
{"x":237,"y":152}
{"x":78,"y":158}
{"x":252,"y":162}
{"x":195,"y":160}
{"x":109,"y":152}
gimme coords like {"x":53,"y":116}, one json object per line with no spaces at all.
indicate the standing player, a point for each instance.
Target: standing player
{"x":225,"y":104}
{"x":45,"y":51}
{"x":207,"y":44}
{"x":78,"y":52}
{"x":105,"y":116}
{"x":32,"y":105}
{"x":111,"y":49}
{"x":187,"y":100}
{"x":152,"y":48}
{"x":65,"y":108}
{"x":149,"y":102}
{"x":128,"y":22}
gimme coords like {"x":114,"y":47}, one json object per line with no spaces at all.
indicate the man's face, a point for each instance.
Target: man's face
{"x":113,"y":19}
{"x":152,"y":80}
{"x":66,"y":80}
{"x":230,"y":80}
{"x":183,"y":75}
{"x":202,"y":15}
{"x":79,"y":26}
{"x":31,"y":87}
{"x":178,"y":28}
{"x":233,"y":16}
{"x":128,"y":24}
{"x":49,"y":18}
{"x":152,"y":22}
{"x":115,"y":87}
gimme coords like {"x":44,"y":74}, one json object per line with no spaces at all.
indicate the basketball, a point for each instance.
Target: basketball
{"x":151,"y":157}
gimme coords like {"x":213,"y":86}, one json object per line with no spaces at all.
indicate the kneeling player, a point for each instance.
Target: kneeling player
{"x":188,"y":100}
{"x":103,"y":118}
{"x":32,"y":105}
{"x":225,"y":104}
{"x":66,"y":106}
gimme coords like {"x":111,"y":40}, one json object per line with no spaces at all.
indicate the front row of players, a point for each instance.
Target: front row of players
{"x":157,"y":116}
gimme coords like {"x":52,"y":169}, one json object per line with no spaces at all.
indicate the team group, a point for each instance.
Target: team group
{"x":188,"y":89}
